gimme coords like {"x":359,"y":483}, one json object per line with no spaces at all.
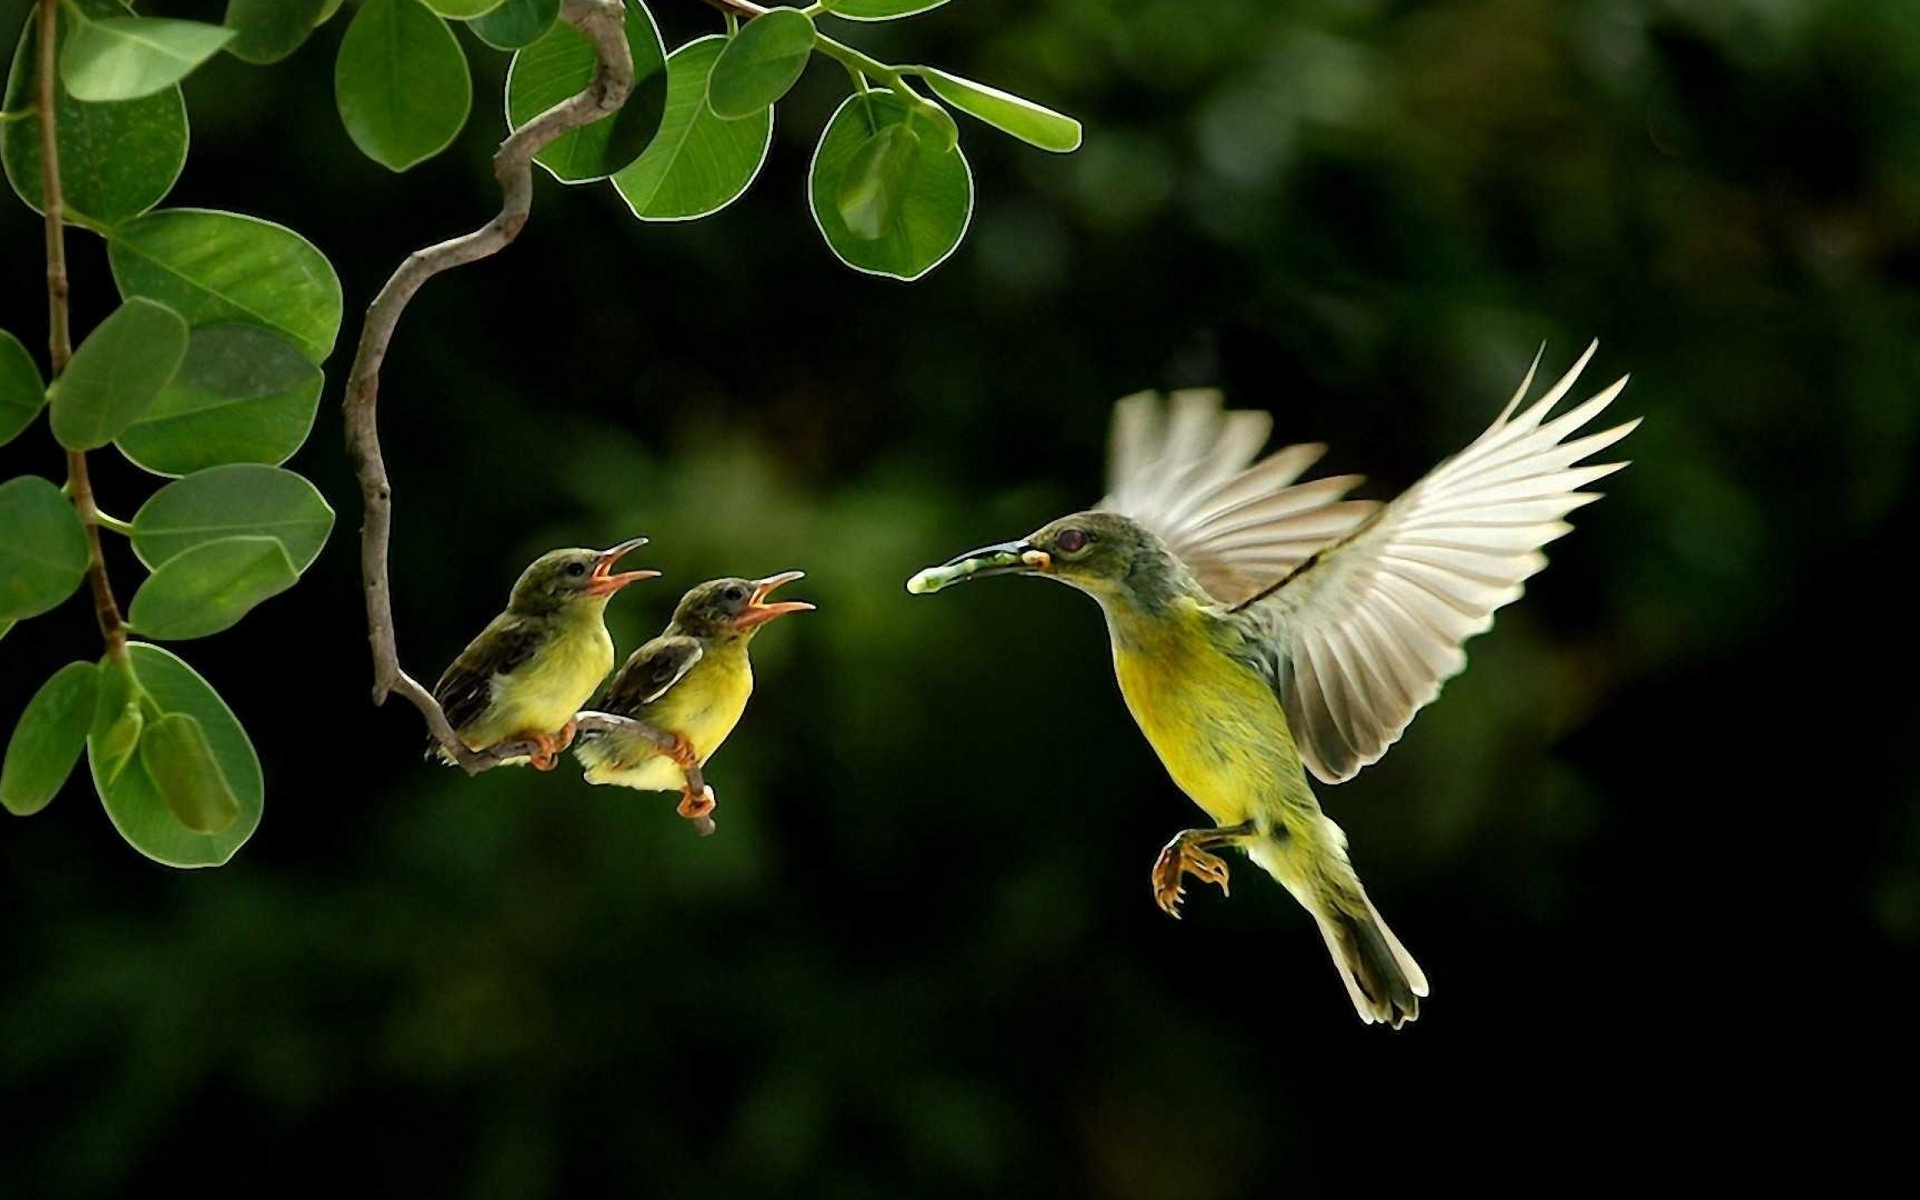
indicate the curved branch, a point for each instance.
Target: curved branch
{"x":602,"y":21}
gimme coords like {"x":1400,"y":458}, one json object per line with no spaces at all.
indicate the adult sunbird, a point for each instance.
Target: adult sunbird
{"x":1261,"y":626}
{"x":535,"y":665}
{"x":692,"y":683}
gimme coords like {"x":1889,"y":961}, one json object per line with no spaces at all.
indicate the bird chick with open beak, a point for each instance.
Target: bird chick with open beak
{"x":691,"y":683}
{"x":1263,"y":630}
{"x":535,"y":665}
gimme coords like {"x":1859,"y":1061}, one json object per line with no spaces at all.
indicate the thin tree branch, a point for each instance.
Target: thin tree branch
{"x":602,"y":21}
{"x":60,"y":335}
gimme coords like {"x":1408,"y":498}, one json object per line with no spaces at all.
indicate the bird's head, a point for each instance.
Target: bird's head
{"x":721,"y":609}
{"x":1103,"y":554}
{"x":561,"y":578}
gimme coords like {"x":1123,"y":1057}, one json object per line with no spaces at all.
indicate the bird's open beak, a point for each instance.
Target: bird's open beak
{"x":759,"y":612}
{"x":604,"y":582}
{"x":1007,"y":558}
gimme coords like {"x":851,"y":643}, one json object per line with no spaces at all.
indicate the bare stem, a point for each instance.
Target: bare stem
{"x":603,"y":21}
{"x":60,"y":336}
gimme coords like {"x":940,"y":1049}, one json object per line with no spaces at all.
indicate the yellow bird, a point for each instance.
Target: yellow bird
{"x":1264,"y":629}
{"x":537,"y":663}
{"x":691,"y":683}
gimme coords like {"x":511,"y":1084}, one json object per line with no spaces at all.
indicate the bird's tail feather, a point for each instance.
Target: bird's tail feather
{"x":1382,"y":979}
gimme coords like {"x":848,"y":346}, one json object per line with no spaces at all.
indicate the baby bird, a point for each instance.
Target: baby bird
{"x":692,"y":683}
{"x":537,"y":663}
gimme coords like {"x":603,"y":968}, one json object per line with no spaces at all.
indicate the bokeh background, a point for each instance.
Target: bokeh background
{"x":1657,"y":849}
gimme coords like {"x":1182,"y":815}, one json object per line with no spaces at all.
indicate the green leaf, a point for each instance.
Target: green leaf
{"x":760,"y":63}
{"x":879,"y":10}
{"x":516,"y":23}
{"x":559,"y":65}
{"x":179,"y":761}
{"x":935,"y":125}
{"x":116,"y":373}
{"x":21,"y":390}
{"x":1007,"y":112}
{"x":876,"y":180}
{"x":125,"y":58}
{"x":48,"y":740}
{"x":43,"y":548}
{"x":243,"y":500}
{"x":401,"y":82}
{"x":119,"y":715}
{"x":116,"y":160}
{"x":241,"y":395}
{"x":933,"y":209}
{"x":217,"y":267}
{"x":269,"y":30}
{"x":6,"y":625}
{"x":133,"y":801}
{"x":699,"y":163}
{"x":463,"y":10}
{"x":209,"y":588}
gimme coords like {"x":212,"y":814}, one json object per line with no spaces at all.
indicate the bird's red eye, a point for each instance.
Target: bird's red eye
{"x":1071,"y":541}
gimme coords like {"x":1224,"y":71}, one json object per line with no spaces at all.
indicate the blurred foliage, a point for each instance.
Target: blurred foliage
{"x":1667,"y":813}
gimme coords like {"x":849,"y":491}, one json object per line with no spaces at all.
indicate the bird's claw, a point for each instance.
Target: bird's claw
{"x":683,"y":754}
{"x":697,"y":808}
{"x":1182,"y":857}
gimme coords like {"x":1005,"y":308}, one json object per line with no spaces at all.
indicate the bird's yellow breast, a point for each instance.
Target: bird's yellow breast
{"x":702,"y":707}
{"x":544,"y":692}
{"x":1215,"y":723}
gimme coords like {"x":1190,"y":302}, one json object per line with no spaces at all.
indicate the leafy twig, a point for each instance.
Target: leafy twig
{"x":60,"y":336}
{"x":602,"y":21}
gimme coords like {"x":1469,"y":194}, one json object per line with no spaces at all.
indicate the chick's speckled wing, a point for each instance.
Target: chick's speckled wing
{"x":652,"y":670}
{"x":506,"y":644}
{"x":1182,"y":470}
{"x":1361,"y":638}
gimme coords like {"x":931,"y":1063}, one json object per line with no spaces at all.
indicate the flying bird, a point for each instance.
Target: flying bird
{"x":691,"y":683}
{"x":1264,"y":630}
{"x":535,"y":665}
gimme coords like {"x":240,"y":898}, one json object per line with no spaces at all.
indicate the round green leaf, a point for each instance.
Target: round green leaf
{"x":125,"y":58}
{"x":48,"y":740}
{"x":132,"y":800}
{"x":241,"y":395}
{"x":560,"y":65}
{"x":116,"y":373}
{"x":760,"y":63}
{"x":935,"y":125}
{"x":43,"y":548}
{"x":876,"y":179}
{"x":401,"y":82}
{"x":463,"y":10}
{"x":243,"y":500}
{"x":21,"y":391}
{"x":217,"y":267}
{"x":267,"y":31}
{"x":119,"y":715}
{"x":1007,"y":112}
{"x":116,"y":160}
{"x":879,"y":10}
{"x":933,"y":207}
{"x":6,"y":625}
{"x":202,"y":591}
{"x":516,"y":23}
{"x":699,"y":163}
{"x":179,"y":761}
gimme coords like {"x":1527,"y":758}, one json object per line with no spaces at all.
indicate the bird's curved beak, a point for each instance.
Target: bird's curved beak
{"x":604,"y":582}
{"x":759,"y":612}
{"x":1019,"y":557}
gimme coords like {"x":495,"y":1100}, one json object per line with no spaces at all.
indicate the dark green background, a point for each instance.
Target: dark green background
{"x":1656,"y":849}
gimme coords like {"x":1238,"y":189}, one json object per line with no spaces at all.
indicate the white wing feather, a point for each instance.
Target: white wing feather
{"x":1365,"y":634}
{"x":1182,"y":471}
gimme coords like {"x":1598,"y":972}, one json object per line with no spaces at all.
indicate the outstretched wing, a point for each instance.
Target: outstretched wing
{"x":650,"y":672}
{"x":1182,"y":470}
{"x":1363,"y":636}
{"x":505,"y":645}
